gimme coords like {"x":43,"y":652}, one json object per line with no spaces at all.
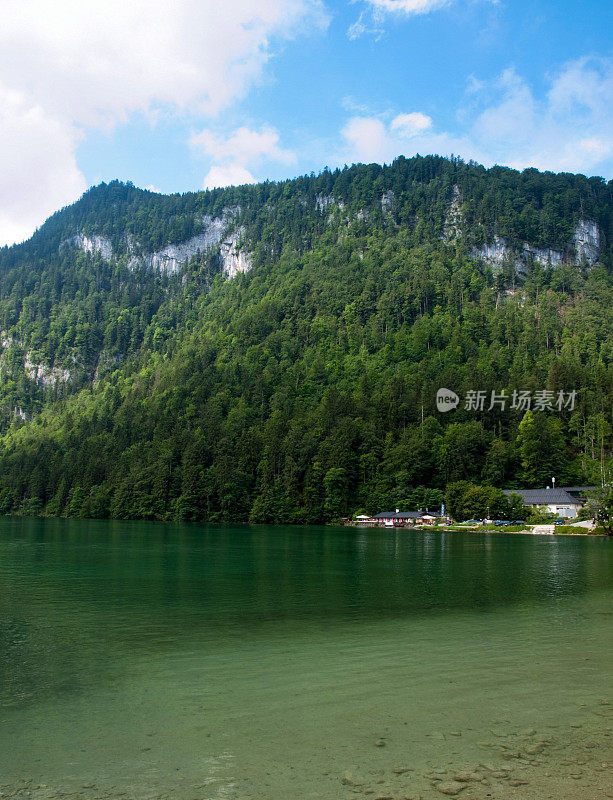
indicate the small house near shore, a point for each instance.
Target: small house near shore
{"x":554,"y":501}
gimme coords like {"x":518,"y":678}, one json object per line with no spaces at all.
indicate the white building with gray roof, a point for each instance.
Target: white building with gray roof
{"x":554,"y":501}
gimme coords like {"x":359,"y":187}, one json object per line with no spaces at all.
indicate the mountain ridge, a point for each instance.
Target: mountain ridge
{"x":297,"y":300}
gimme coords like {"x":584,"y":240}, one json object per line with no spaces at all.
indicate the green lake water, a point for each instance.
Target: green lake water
{"x":144,"y":660}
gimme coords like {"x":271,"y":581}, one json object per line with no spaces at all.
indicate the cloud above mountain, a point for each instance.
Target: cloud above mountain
{"x":503,"y":122}
{"x":70,"y":66}
{"x":235,"y":154}
{"x":201,"y":93}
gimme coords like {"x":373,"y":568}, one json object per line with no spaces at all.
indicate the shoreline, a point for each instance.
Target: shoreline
{"x":478,"y":529}
{"x":343,"y":524}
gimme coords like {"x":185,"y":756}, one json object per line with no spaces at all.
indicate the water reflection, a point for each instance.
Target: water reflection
{"x":247,"y":633}
{"x":245,"y":575}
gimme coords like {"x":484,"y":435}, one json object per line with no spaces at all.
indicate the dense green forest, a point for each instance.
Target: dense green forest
{"x":305,"y":388}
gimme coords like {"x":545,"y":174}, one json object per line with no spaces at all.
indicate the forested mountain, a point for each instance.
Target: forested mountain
{"x":273,"y":352}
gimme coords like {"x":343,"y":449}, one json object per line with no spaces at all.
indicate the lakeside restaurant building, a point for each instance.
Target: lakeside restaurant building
{"x":394,"y":519}
{"x":399,"y":519}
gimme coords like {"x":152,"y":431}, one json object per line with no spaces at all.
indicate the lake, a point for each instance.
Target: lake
{"x":151,"y":660}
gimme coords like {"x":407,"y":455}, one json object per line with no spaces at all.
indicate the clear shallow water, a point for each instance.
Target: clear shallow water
{"x":150,"y":660}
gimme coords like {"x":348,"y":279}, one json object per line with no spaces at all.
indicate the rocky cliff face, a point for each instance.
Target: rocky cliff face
{"x":585,"y":248}
{"x":90,"y":244}
{"x":322,"y":201}
{"x":387,"y":202}
{"x":233,"y":259}
{"x":44,"y":375}
{"x":453,"y":220}
{"x":586,"y":240}
{"x":173,"y":257}
{"x":498,"y":251}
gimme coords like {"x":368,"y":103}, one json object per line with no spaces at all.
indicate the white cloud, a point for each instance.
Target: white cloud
{"x":84,"y":64}
{"x":368,"y":139}
{"x":411,"y":124}
{"x":569,"y":129}
{"x":231,"y":174}
{"x":366,"y":23}
{"x":408,"y":7}
{"x":234,"y":154}
{"x":508,"y":120}
{"x":99,"y":61}
{"x":371,"y":20}
{"x":38,"y":169}
{"x":245,"y":144}
{"x":586,"y":82}
{"x":373,"y":17}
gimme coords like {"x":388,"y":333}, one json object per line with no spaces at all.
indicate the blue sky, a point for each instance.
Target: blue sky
{"x":197,"y":93}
